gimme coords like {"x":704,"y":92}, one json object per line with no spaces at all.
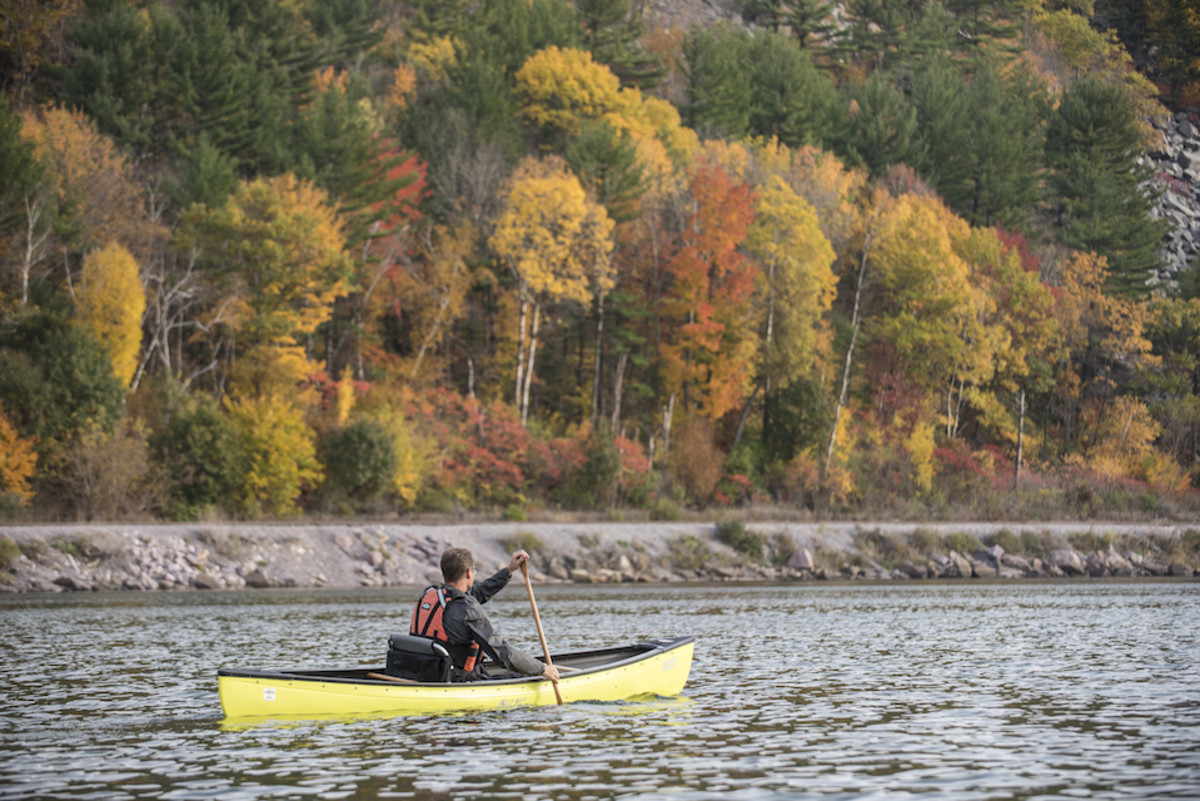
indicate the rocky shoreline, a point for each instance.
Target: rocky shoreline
{"x":214,"y":557}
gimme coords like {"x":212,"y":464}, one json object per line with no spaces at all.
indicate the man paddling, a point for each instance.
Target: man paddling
{"x":452,"y":614}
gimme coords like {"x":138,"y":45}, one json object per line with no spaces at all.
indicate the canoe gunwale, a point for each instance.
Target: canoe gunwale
{"x":645,"y":650}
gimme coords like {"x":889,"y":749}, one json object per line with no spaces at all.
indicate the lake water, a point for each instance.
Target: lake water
{"x":1073,"y":689}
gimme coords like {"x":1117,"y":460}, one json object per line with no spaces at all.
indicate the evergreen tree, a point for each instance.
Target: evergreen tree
{"x":874,"y":33}
{"x":613,"y":35}
{"x":55,"y":377}
{"x":790,"y":98}
{"x":881,"y":129}
{"x":1099,"y":198}
{"x":607,"y":165}
{"x":985,"y":21}
{"x":811,"y":23}
{"x":719,"y":86}
{"x":122,"y":75}
{"x":21,"y":172}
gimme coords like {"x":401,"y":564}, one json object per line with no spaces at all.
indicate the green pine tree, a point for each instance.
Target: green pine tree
{"x":1098,"y":194}
{"x":607,"y":165}
{"x":718,"y":84}
{"x":790,"y":98}
{"x":612,"y":33}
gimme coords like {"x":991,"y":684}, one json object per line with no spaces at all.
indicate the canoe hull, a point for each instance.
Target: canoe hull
{"x":659,"y":670}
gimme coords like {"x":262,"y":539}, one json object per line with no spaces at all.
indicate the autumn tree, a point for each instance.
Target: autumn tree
{"x":1104,"y":338}
{"x":18,"y":461}
{"x":556,"y":242}
{"x":707,"y":358}
{"x":933,"y":314}
{"x":111,"y":302}
{"x":797,"y":283}
{"x":274,"y":253}
{"x":89,"y":197}
{"x":279,"y":455}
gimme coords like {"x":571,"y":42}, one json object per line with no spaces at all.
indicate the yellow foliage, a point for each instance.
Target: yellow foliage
{"x":735,"y":157}
{"x":404,"y":86}
{"x":919,"y":445}
{"x":798,"y":283}
{"x":345,"y":396}
{"x":90,"y":177}
{"x":18,"y":460}
{"x":280,"y":454}
{"x":435,"y":58}
{"x":1123,"y":445}
{"x":272,"y":369}
{"x":1085,"y":50}
{"x":111,"y":303}
{"x":414,"y":457}
{"x":933,"y":311}
{"x":555,"y":239}
{"x":276,"y":251}
{"x":562,"y":85}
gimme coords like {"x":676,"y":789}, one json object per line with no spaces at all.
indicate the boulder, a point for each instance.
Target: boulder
{"x":983,"y":568}
{"x":557,"y":569}
{"x":1117,"y":564}
{"x":257,"y":579}
{"x":959,"y":567}
{"x":1179,"y":569}
{"x":1016,"y":562}
{"x":801,"y":559}
{"x":207,"y":581}
{"x":910,"y":570}
{"x":1067,"y":561}
{"x":75,"y":583}
{"x":1096,"y":566}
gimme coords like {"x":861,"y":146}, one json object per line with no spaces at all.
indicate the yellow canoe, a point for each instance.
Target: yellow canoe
{"x":654,"y":668}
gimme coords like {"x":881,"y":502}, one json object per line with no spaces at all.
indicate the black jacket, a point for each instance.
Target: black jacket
{"x":465,"y":621}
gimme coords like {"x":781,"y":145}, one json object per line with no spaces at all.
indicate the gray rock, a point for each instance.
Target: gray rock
{"x":1067,"y":561}
{"x":983,"y":569}
{"x":207,"y":581}
{"x":74,"y":583}
{"x":910,"y":570}
{"x":1179,"y":569}
{"x":258,"y":580}
{"x":801,"y":559}
{"x":1016,"y":562}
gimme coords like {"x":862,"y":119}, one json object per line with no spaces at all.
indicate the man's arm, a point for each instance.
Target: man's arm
{"x":502,"y":652}
{"x":483,"y":590}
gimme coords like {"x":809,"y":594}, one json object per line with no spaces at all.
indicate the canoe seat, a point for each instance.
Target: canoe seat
{"x":417,"y":658}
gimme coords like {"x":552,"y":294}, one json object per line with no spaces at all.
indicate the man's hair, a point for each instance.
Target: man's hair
{"x":455,"y":563}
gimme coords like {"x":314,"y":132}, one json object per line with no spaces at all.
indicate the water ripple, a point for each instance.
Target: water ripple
{"x":938,"y":691}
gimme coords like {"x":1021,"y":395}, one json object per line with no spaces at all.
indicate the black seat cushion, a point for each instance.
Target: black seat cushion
{"x":417,"y":658}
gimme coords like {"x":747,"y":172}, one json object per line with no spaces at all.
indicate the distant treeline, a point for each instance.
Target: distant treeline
{"x":265,"y":258}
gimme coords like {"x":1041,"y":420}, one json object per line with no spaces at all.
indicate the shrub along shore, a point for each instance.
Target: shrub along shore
{"x":215,"y":557}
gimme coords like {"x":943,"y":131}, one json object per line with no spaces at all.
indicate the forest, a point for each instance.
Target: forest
{"x":262,"y":259}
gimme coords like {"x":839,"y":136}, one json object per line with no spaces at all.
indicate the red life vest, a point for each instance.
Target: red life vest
{"x":427,"y":622}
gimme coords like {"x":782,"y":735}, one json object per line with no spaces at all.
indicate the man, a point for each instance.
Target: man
{"x":452,"y":614}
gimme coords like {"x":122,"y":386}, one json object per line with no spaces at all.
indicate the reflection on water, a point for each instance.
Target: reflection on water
{"x":955,"y":691}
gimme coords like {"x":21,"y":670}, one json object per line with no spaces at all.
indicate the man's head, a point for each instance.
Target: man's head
{"x":455,"y":564}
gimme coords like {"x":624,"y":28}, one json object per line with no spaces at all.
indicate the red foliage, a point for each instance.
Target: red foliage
{"x":633,"y":457}
{"x":328,"y":390}
{"x":1015,"y":240}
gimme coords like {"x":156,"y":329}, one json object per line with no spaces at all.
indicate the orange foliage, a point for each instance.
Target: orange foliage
{"x":710,"y":352}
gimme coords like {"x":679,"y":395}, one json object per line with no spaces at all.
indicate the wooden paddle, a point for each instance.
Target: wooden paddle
{"x":538,"y":621}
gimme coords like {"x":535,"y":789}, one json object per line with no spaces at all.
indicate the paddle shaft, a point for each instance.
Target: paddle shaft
{"x":537,"y":619}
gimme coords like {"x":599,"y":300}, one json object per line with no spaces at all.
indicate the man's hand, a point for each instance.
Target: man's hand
{"x":551,"y":672}
{"x":518,"y":558}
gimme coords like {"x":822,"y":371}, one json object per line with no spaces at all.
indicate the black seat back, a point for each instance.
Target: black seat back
{"x":417,"y":658}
